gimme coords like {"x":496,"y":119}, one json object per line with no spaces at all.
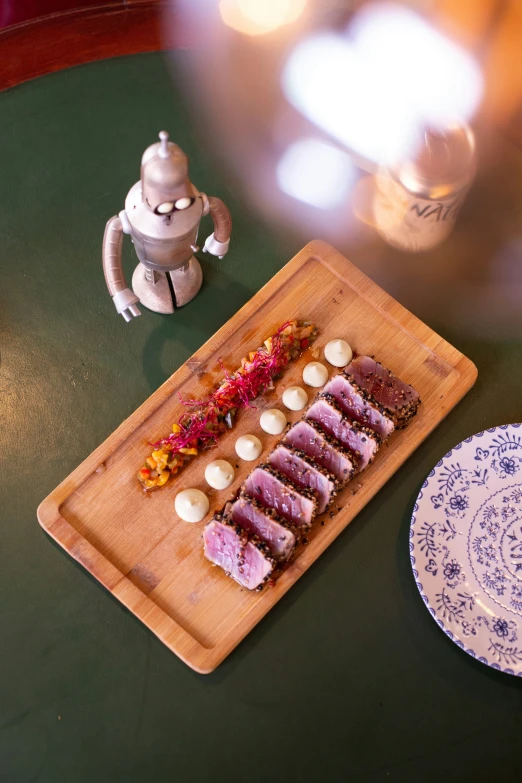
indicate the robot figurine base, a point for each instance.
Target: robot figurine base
{"x":162,"y":292}
{"x":162,"y":215}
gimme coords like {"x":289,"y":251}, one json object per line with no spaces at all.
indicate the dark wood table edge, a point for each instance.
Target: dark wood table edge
{"x":58,"y":41}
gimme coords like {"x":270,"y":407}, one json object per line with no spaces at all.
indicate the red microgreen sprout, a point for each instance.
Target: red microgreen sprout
{"x":202,"y":422}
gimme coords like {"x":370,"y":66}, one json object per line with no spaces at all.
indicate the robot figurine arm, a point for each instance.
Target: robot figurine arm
{"x":124,"y":299}
{"x":217,"y":243}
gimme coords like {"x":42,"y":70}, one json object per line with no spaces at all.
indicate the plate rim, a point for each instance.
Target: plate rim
{"x":433,"y":613}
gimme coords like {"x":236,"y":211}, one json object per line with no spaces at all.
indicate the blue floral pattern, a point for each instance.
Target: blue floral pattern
{"x":452,"y":570}
{"x":508,"y":465}
{"x":466,"y":546}
{"x":459,"y":503}
{"x":500,"y":627}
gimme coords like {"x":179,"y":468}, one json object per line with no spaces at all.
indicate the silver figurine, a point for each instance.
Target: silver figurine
{"x":162,"y":215}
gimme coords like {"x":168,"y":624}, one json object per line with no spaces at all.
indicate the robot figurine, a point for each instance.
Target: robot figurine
{"x":162,"y":215}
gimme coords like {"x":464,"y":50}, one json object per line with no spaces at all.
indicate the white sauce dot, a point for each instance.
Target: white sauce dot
{"x":315,"y":374}
{"x":295,"y":398}
{"x":191,"y":505}
{"x":338,"y":353}
{"x":248,"y":447}
{"x":219,"y":474}
{"x":273,"y":421}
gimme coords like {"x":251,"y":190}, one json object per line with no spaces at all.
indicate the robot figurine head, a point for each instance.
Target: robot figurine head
{"x":165,"y":185}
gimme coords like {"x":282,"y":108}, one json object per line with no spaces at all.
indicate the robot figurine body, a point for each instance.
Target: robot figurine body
{"x":162,"y":215}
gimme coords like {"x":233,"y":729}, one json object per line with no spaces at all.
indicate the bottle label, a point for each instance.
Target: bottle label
{"x":410,"y":222}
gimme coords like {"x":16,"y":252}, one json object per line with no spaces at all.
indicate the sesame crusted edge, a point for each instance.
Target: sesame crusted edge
{"x":245,"y":539}
{"x":332,"y":442}
{"x":368,"y":398}
{"x":302,"y":455}
{"x":353,"y":424}
{"x":304,"y":491}
{"x":268,"y":511}
{"x":404,"y":415}
{"x":391,"y":375}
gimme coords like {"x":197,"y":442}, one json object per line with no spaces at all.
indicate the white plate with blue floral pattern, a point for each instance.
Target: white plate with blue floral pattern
{"x":466,"y":546}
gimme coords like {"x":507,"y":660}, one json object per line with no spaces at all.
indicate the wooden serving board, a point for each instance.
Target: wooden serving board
{"x":149,"y":559}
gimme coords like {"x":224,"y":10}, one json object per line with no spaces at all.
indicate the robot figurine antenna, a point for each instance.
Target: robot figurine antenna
{"x":164,"y":148}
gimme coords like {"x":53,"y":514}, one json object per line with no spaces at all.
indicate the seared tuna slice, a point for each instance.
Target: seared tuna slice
{"x":304,"y":472}
{"x":397,"y":397}
{"x":264,"y":522}
{"x":358,"y":405}
{"x":308,"y":436}
{"x":359,"y":440}
{"x":273,"y":490}
{"x":248,"y":561}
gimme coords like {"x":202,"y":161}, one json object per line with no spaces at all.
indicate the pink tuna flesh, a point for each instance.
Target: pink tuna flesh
{"x":302,"y":472}
{"x":354,"y":402}
{"x":228,"y":546}
{"x":273,"y":490}
{"x":359,"y":441}
{"x":399,"y":398}
{"x":265,"y":523}
{"x":310,"y":438}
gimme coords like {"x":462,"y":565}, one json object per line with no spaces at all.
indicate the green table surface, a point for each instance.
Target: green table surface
{"x":348,"y":677}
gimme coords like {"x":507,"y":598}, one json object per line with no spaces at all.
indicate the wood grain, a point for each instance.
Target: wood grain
{"x":58,"y":41}
{"x":12,"y":13}
{"x":135,"y":545}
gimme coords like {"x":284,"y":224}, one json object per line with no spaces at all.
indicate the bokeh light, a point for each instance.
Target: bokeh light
{"x":257,"y":17}
{"x":359,"y":77}
{"x":376,"y":86}
{"x":325,"y":79}
{"x":439,"y":80}
{"x":316,"y":173}
{"x":338,"y":91}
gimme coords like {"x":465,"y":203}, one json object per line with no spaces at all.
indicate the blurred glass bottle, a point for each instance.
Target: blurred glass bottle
{"x":416,"y":203}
